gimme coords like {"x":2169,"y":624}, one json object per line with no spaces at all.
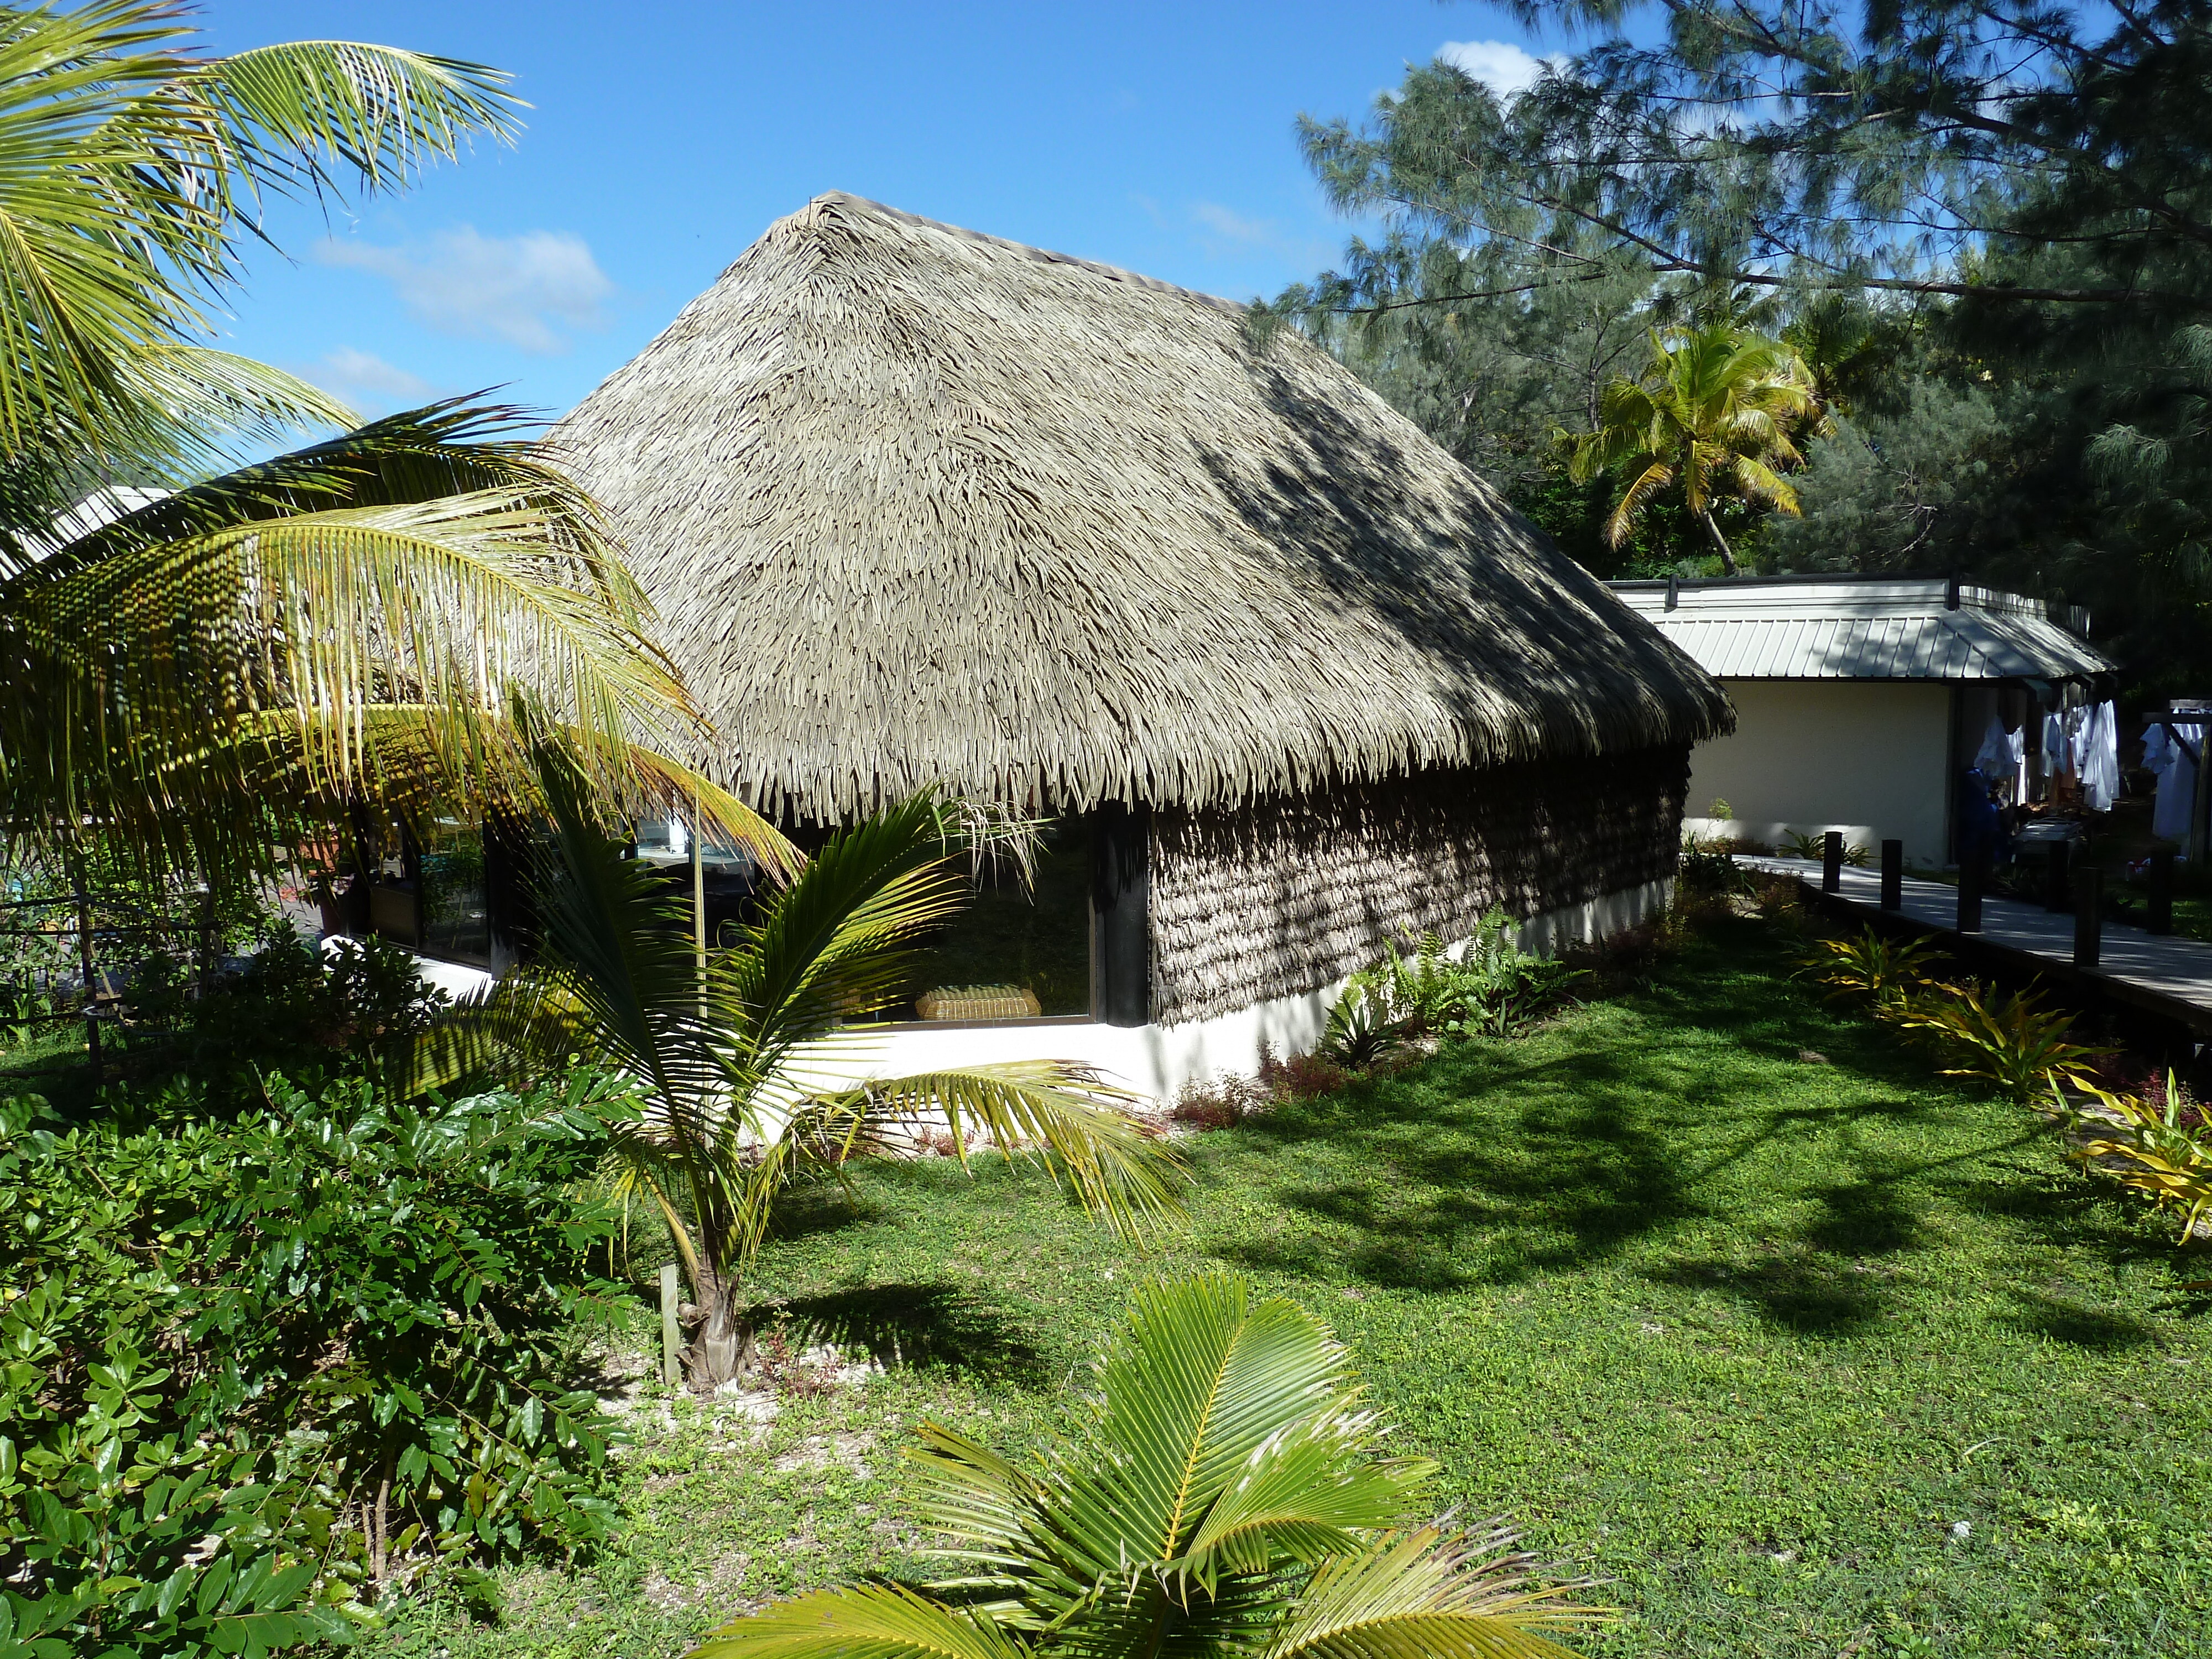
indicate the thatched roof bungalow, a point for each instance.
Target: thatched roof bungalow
{"x":918,"y":505}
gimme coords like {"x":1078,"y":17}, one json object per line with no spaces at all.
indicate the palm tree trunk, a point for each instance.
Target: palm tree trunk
{"x":721,"y":1350}
{"x":1720,"y":543}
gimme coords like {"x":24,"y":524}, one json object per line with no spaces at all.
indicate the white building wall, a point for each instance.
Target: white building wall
{"x":1156,"y":1062}
{"x":1868,"y":757}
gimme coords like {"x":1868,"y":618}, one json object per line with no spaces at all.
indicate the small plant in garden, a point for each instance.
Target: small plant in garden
{"x":2014,"y":1041}
{"x":1707,"y":867}
{"x":2159,"y":1149}
{"x":1884,"y":972}
{"x":1803,"y":844}
{"x":1363,"y":1027}
{"x":1222,"y":1493}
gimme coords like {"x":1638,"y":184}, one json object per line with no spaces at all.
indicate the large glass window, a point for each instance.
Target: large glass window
{"x":456,"y":921}
{"x":729,"y":874}
{"x":1018,"y":949}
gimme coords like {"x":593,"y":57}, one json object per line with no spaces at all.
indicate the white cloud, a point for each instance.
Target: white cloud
{"x":366,"y":381}
{"x":1502,"y":67}
{"x":522,"y":290}
{"x":1228,"y":234}
{"x":1227,"y":222}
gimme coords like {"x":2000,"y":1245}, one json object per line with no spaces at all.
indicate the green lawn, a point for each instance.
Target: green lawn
{"x":1806,"y":1353}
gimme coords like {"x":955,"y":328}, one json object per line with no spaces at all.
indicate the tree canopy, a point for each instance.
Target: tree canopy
{"x":1986,"y":226}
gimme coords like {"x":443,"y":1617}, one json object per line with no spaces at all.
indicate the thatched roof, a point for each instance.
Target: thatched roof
{"x":918,"y":505}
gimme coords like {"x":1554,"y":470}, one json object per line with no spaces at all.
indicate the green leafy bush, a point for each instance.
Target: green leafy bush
{"x":247,"y":1366}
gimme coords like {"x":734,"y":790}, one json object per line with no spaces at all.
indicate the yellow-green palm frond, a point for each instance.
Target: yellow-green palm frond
{"x":123,"y":155}
{"x":1220,"y":1495}
{"x":865,"y":1621}
{"x":1064,"y":1116}
{"x":1428,"y":1594}
{"x":1757,"y":481}
{"x":1646,"y":486}
{"x":330,"y":112}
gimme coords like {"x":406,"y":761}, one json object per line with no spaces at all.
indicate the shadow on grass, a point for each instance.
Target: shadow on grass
{"x":2062,"y":1320}
{"x":1451,"y":1201}
{"x":1810,"y":1295}
{"x":929,"y":1325}
{"x":809,"y":1212}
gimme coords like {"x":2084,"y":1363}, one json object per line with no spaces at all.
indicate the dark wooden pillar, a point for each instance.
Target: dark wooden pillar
{"x":508,"y":919}
{"x":1120,"y":924}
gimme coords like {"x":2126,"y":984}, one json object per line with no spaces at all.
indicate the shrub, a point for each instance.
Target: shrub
{"x":1223,"y":1102}
{"x":1706,"y":867}
{"x":248,"y":1365}
{"x":1884,"y":973}
{"x":2159,"y":1148}
{"x":2014,"y":1041}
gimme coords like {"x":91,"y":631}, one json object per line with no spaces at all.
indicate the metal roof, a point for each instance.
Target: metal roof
{"x":1866,"y":629}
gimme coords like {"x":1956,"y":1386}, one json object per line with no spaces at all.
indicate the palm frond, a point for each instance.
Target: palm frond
{"x":124,"y":156}
{"x":325,"y":113}
{"x":1429,"y":1595}
{"x":1196,"y":1385}
{"x":226,"y":635}
{"x":1064,"y":1114}
{"x":1647,"y":486}
{"x":842,"y":940}
{"x":866,"y":1621}
{"x":1756,"y":481}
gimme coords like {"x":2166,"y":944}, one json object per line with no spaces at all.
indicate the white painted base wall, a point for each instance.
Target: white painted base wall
{"x":1868,"y":757}
{"x":1156,"y":1062}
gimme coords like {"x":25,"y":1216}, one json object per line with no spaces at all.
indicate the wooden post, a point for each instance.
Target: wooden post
{"x":672,"y":1330}
{"x":1832,"y":861}
{"x":1970,"y":894}
{"x":2057,"y":895}
{"x":1893,"y":875}
{"x":2160,"y":919}
{"x":2089,"y":917}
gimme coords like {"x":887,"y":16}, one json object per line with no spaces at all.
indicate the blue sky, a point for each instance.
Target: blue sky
{"x":665,"y":137}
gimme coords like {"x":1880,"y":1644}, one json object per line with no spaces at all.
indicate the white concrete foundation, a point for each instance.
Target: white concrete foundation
{"x":1158,"y":1061}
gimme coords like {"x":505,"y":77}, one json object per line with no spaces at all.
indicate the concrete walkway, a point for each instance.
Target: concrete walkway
{"x":2162,"y":970}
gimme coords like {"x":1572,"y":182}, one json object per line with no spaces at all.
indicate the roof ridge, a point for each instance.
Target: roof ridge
{"x":843,"y":198}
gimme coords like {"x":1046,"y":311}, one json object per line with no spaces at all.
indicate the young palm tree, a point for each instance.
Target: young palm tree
{"x":738,"y":1054}
{"x":343,"y":624}
{"x":1222,"y":1497}
{"x":1711,"y":415}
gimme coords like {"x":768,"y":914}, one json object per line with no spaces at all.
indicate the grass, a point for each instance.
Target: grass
{"x":1718,"y":1291}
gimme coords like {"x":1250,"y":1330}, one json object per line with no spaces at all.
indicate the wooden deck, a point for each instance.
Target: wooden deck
{"x":2161,"y":973}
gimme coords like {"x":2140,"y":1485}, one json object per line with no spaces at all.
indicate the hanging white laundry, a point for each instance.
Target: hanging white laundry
{"x":1999,"y":755}
{"x":2177,"y":780}
{"x":2100,"y":758}
{"x":2056,"y":761}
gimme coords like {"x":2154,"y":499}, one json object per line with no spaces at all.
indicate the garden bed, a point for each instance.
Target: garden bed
{"x":1717,"y":1290}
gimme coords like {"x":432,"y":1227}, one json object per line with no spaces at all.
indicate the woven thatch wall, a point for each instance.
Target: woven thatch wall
{"x":919,"y":506}
{"x":1274,"y":900}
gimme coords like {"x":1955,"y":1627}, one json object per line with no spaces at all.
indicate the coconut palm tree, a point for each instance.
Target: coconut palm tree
{"x":1222,"y":1495}
{"x":258,"y":646}
{"x":1710,"y":416}
{"x":737,"y":1052}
